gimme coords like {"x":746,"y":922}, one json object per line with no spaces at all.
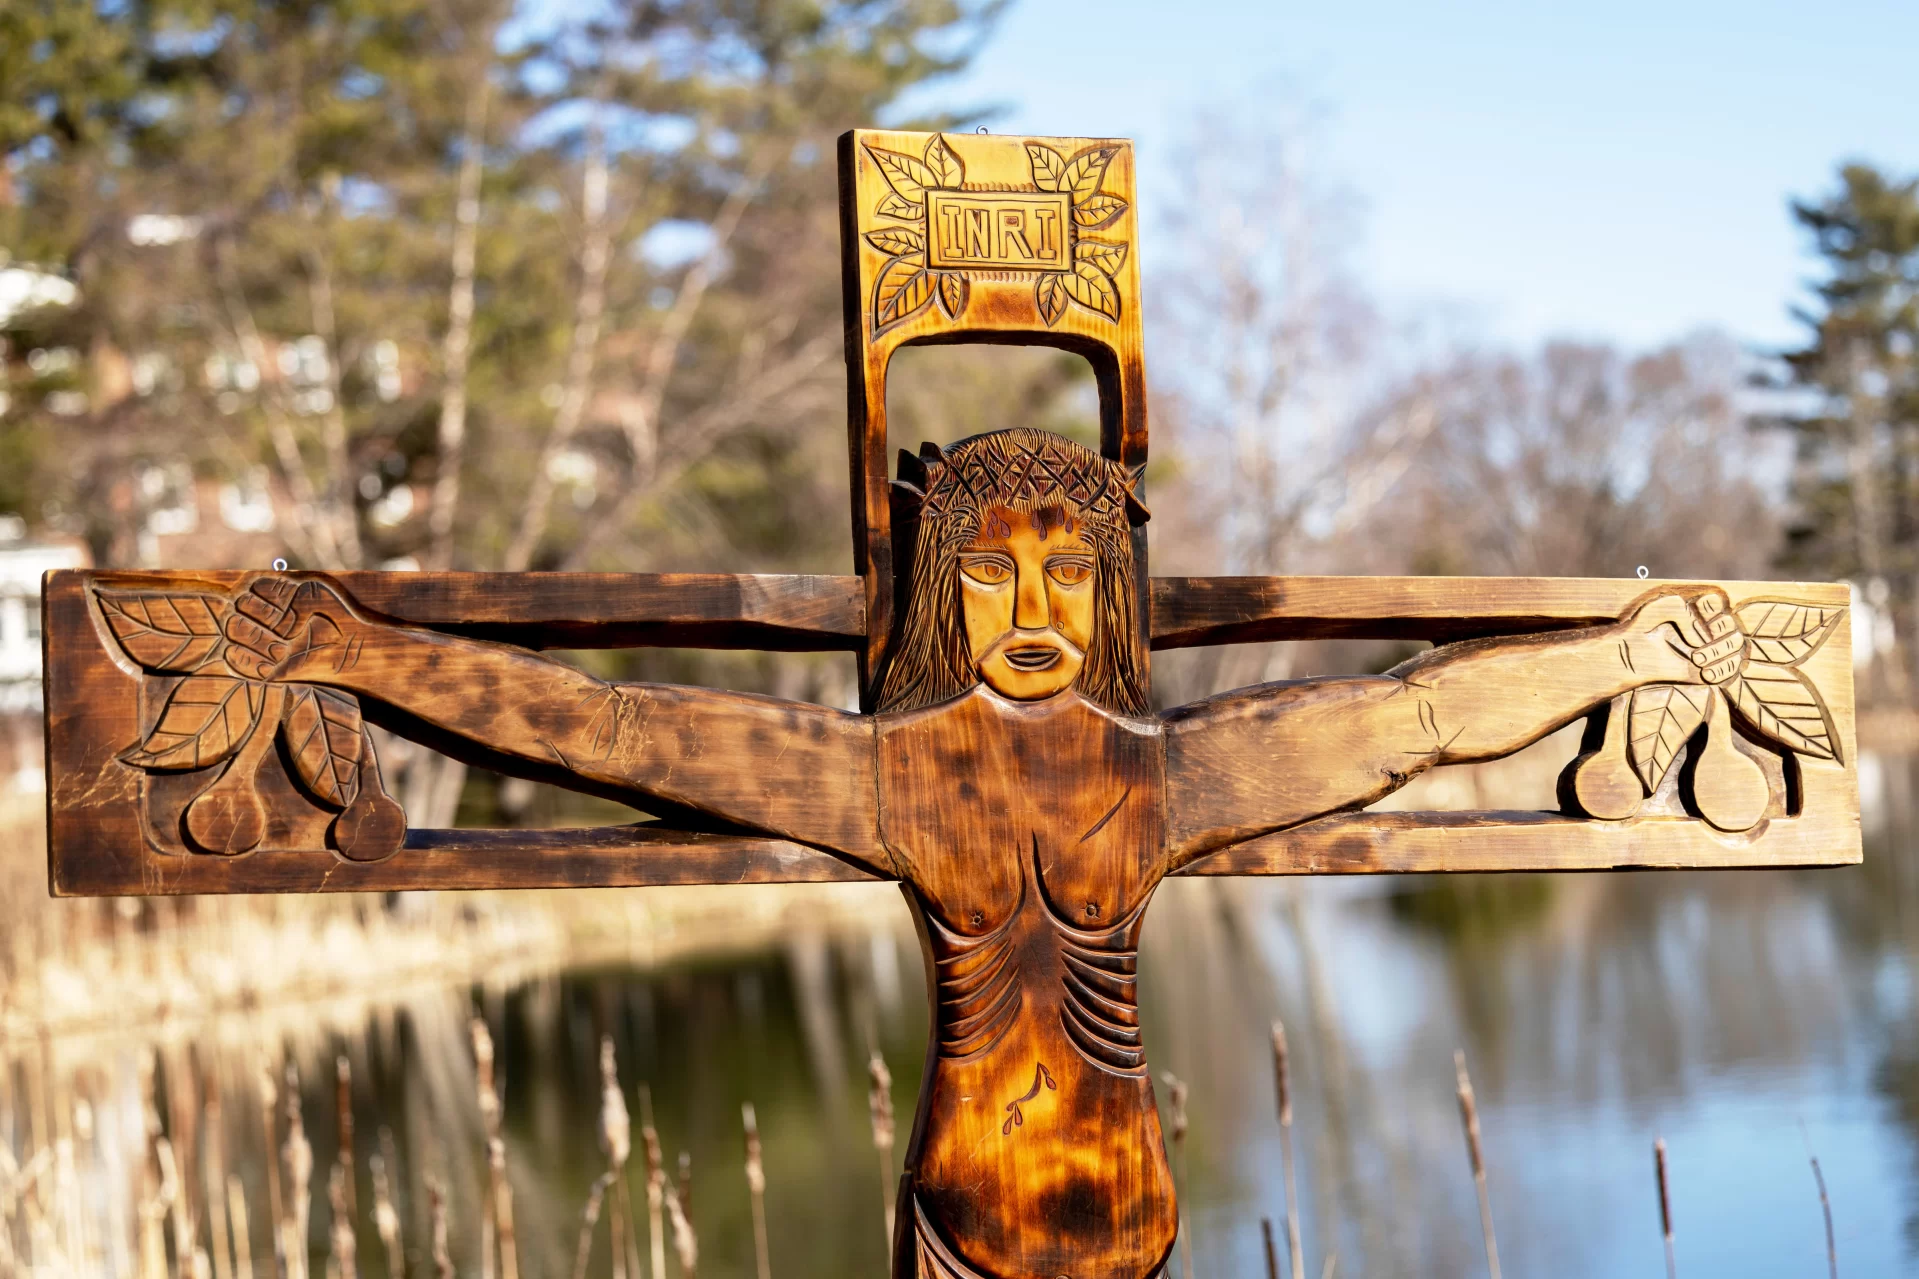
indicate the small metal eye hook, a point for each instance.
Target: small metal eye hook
{"x":279,"y":564}
{"x":1644,"y":573}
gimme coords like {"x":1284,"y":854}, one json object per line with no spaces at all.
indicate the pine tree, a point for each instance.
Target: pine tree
{"x":1857,"y":377}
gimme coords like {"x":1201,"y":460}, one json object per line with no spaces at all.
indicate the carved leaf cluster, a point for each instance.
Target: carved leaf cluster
{"x":210,"y":714}
{"x":1095,"y":262}
{"x":905,"y":285}
{"x":1769,"y":692}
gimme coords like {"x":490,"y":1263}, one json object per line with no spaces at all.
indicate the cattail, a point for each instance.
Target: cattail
{"x":343,"y":1118}
{"x":298,"y":1154}
{"x":386,"y":1218}
{"x":497,"y":1221}
{"x":1665,"y":1204}
{"x":214,"y":1167}
{"x":1176,"y":1102}
{"x":242,"y":1236}
{"x":436,"y":1208}
{"x":686,"y":1244}
{"x":616,"y":1142}
{"x":1283,"y":1093}
{"x":879,"y":1100}
{"x":756,"y":1184}
{"x":1825,"y":1206}
{"x":342,"y":1259}
{"x":590,"y":1218}
{"x":655,"y":1183}
{"x":685,"y":1185}
{"x":1469,"y":1115}
{"x":269,"y":1110}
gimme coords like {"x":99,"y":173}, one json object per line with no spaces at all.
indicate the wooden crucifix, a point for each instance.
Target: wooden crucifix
{"x":207,"y":731}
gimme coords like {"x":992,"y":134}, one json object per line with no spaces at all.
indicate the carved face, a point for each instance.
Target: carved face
{"x":1027,"y":589}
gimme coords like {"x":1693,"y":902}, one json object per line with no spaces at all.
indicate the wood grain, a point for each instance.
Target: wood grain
{"x":1191,"y":612}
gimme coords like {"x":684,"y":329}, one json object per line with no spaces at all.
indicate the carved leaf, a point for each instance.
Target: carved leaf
{"x":204,"y":721}
{"x":1097,"y":211}
{"x":1084,"y":173}
{"x":1093,"y":289}
{"x":1663,"y":716}
{"x":1050,"y":296}
{"x":1781,"y":703}
{"x":1785,"y":633}
{"x":1107,"y":257}
{"x":905,"y":174}
{"x":953,"y":291}
{"x":1048,"y":167}
{"x":164,"y":632}
{"x":896,"y":240}
{"x":945,"y":165}
{"x":891,"y":206}
{"x":904,"y":286}
{"x":322,"y":732}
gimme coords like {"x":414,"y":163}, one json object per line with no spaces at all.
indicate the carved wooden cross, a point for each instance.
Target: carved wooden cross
{"x":206,"y":732}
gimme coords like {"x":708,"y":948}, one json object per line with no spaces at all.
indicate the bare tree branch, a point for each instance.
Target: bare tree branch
{"x":456,"y":348}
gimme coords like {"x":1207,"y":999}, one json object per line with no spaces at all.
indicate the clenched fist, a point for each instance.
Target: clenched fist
{"x":285,"y":626}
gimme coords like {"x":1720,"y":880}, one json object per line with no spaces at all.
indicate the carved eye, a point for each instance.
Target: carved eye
{"x":1069,"y":572}
{"x":988,"y":570}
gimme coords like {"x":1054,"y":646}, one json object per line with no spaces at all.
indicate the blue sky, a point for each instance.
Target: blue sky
{"x":1617,"y":171}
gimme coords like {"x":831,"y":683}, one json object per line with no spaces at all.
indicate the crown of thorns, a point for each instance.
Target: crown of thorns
{"x":1021,"y":468}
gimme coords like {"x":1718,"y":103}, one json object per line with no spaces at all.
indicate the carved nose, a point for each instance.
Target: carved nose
{"x":1029,"y":607}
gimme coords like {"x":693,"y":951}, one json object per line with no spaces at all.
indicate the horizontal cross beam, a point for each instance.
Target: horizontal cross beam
{"x":827,"y":613}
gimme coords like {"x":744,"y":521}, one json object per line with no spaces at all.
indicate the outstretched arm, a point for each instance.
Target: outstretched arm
{"x":1264,"y":758}
{"x":791,"y":769}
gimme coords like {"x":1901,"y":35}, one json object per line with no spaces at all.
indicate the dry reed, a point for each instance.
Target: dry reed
{"x":1283,"y":1088}
{"x":213,"y":1165}
{"x":342,"y":1246}
{"x":269,"y":1123}
{"x":436,"y":1209}
{"x":1825,"y":1207}
{"x":298,"y":1154}
{"x":1272,"y":1253}
{"x":756,"y":1187}
{"x":386,"y":1217}
{"x":497,"y":1221}
{"x":242,"y":1236}
{"x":879,"y":1101}
{"x":655,"y":1183}
{"x":1469,"y":1115}
{"x":1665,"y":1204}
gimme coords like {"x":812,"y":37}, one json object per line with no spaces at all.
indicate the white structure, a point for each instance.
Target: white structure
{"x":21,"y":565}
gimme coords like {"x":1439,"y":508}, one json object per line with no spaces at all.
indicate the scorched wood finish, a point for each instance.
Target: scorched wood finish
{"x":207,"y":732}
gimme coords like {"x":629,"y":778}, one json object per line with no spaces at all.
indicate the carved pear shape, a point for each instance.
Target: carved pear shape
{"x":1603,"y":781}
{"x":373,"y":826}
{"x":1729,"y":789}
{"x":228,"y":817}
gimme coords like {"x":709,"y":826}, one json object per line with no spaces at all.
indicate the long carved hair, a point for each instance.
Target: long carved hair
{"x":945,"y":492}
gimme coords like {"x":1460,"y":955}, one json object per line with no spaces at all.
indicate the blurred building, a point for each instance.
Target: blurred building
{"x":21,"y":565}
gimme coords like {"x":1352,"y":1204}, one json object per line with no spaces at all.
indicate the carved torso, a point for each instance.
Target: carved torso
{"x":1030,"y":837}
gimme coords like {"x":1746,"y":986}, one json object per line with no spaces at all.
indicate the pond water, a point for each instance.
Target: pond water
{"x":1751,"y":1019}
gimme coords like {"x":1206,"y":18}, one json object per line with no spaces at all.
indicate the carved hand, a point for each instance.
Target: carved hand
{"x":1687,"y":636}
{"x":292,"y":629}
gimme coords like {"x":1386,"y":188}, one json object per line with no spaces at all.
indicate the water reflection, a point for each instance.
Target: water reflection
{"x":1750,"y":1018}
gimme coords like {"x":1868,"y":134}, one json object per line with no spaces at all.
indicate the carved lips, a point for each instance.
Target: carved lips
{"x":1032,"y":657}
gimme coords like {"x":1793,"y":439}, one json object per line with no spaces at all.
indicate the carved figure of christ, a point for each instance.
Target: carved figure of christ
{"x":1016,"y":783}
